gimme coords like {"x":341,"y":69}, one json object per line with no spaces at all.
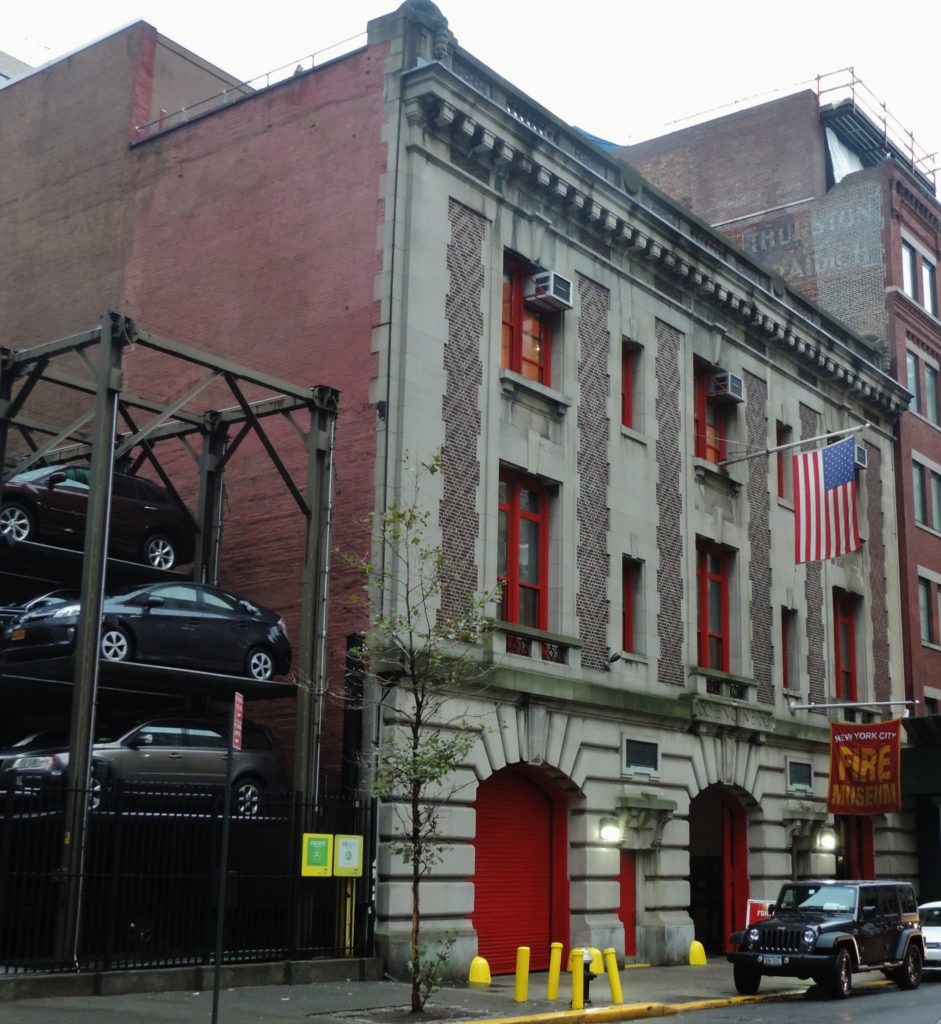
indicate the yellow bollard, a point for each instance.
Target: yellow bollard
{"x":555,"y":969}
{"x":479,"y":974}
{"x":697,"y":954}
{"x":577,"y":967}
{"x":614,"y":979}
{"x":521,"y":986}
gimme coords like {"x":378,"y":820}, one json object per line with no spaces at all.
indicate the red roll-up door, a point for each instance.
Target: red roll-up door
{"x":520,"y":840}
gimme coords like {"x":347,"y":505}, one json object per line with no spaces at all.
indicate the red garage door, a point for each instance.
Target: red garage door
{"x":520,"y":884}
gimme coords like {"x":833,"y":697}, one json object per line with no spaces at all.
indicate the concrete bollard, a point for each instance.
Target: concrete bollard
{"x":555,"y":969}
{"x":521,"y":985}
{"x":697,"y":954}
{"x":479,"y":974}
{"x":614,"y":979}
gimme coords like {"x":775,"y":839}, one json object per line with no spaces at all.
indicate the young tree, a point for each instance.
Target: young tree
{"x":422,"y":654}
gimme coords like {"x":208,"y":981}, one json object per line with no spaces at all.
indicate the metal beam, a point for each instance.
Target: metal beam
{"x":50,"y":444}
{"x":214,"y":362}
{"x":85,"y":684}
{"x":25,"y":356}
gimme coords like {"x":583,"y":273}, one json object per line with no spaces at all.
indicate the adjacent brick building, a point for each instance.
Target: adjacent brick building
{"x":377,"y":224}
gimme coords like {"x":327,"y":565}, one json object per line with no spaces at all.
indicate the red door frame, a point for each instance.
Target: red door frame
{"x":735,"y":882}
{"x":627,"y":912}
{"x":558,"y":895}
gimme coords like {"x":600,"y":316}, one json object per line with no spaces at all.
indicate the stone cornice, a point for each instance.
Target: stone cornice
{"x":746,"y":296}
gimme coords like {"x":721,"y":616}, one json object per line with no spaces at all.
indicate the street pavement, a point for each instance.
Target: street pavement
{"x":647,"y":992}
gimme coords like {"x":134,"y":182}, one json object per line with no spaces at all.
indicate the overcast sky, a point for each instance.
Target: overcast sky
{"x":618,"y":69}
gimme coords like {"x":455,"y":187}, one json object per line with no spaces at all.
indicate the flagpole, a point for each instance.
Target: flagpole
{"x":794,"y":707}
{"x":794,"y":444}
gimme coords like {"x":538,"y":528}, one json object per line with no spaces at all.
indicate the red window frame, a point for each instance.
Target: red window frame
{"x":782,"y":437}
{"x":712,"y":584}
{"x":788,"y":617}
{"x":844,"y":646}
{"x":629,"y":354}
{"x":527,"y":333}
{"x":512,"y":514}
{"x":630,"y":575}
{"x":709,"y":419}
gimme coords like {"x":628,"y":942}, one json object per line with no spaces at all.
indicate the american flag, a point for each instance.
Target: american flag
{"x":825,"y":519}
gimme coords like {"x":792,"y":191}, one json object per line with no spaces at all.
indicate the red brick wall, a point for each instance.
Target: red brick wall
{"x":251,"y":233}
{"x":741,"y":164}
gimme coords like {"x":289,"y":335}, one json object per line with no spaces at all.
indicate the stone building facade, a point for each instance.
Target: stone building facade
{"x":385,"y":223}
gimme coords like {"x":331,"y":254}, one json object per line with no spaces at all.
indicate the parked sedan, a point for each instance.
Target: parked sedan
{"x":185,"y":625}
{"x":147,"y":523}
{"x":930,"y":914}
{"x":12,"y":612}
{"x":158,"y":750}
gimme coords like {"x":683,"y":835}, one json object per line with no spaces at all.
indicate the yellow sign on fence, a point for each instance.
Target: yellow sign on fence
{"x":317,"y":855}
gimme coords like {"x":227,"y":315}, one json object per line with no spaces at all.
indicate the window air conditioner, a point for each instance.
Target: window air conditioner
{"x":548,"y":291}
{"x":862,"y":457}
{"x":727,"y":386}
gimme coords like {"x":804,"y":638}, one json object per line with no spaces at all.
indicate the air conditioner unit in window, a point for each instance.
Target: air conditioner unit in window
{"x":862,"y":457}
{"x":727,"y":387}
{"x":549,"y":291}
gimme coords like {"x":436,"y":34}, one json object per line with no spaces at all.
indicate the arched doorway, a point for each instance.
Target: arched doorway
{"x":718,"y":867}
{"x":521,"y":895}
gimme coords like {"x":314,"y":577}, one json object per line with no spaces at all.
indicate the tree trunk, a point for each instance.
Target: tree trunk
{"x":418,"y":1005}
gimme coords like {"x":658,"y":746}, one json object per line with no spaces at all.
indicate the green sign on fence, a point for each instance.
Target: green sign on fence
{"x":317,"y":855}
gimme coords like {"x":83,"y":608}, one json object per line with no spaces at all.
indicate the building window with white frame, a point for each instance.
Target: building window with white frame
{"x":925,"y":609}
{"x":929,"y":286}
{"x":919,"y":494}
{"x":931,"y":394}
{"x":912,"y":381}
{"x":908,"y":270}
{"x":641,"y":757}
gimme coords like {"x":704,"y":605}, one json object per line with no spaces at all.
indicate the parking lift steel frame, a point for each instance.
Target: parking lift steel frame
{"x":103,"y":385}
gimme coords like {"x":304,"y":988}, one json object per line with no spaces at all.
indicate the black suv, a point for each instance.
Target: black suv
{"x":830,"y":930}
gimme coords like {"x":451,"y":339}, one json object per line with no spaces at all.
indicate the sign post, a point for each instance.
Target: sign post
{"x":235,"y":743}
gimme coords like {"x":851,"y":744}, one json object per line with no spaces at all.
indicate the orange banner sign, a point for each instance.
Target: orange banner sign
{"x":865,"y":775}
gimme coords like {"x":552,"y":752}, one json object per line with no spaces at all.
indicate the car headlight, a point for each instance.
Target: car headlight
{"x":67,"y":611}
{"x":752,"y":935}
{"x":37,"y":763}
{"x":810,"y":936}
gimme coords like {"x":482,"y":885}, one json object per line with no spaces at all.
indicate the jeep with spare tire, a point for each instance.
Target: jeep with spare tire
{"x":828,"y":931}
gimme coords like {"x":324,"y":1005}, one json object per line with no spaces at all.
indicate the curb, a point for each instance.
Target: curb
{"x":640,"y":1011}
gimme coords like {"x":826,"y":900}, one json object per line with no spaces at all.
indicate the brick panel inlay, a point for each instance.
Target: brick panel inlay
{"x":813,"y":593}
{"x":592,"y":512}
{"x":875,"y":550}
{"x":461,"y":404}
{"x":759,"y":536}
{"x":670,"y":505}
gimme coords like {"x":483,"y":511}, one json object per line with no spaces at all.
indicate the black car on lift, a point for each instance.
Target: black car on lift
{"x":181,"y":625}
{"x":147,"y":523}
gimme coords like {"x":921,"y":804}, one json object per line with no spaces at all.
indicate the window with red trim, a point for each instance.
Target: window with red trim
{"x":788,"y":649}
{"x":630,"y":581}
{"x":712,"y":582}
{"x":630,"y":365}
{"x":784,"y":435}
{"x":710,"y":418}
{"x":844,"y":628}
{"x":527,"y":333}
{"x":522,"y":558}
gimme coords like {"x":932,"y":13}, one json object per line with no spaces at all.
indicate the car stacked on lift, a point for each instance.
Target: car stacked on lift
{"x":182,"y":625}
{"x":148,"y":524}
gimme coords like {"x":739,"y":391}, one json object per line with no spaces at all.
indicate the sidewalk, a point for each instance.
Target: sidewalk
{"x":647,"y":992}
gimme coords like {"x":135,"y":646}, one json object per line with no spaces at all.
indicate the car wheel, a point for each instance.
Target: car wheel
{"x":16,"y":521}
{"x":247,"y":795}
{"x":908,"y":975}
{"x":840,"y":980}
{"x":115,"y":644}
{"x":746,"y":979}
{"x":259,"y":663}
{"x":159,"y":551}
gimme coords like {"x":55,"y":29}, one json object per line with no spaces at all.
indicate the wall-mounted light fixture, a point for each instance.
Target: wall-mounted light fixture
{"x":610,"y":830}
{"x":825,"y":839}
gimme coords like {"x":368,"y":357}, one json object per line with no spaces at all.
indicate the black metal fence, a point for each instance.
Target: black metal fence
{"x":150,"y":881}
